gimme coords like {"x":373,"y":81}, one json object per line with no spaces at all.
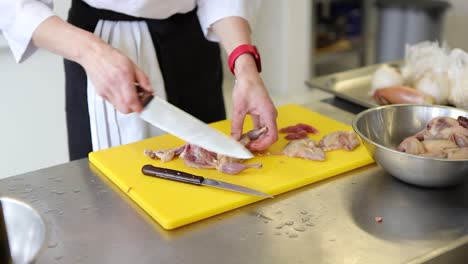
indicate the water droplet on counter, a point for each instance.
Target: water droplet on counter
{"x":300,"y":228}
{"x":76,"y":191}
{"x":309,"y":224}
{"x":259,"y":233}
{"x":58,"y":179}
{"x":35,"y":200}
{"x":59,"y":192}
{"x":278,"y":212}
{"x":58,"y":257}
{"x":280,"y":226}
{"x":292,"y":235}
{"x":52,"y":245}
{"x":305,"y":219}
{"x":289,"y":223}
{"x":61,"y":213}
{"x":304,"y":212}
{"x":278,"y":233}
{"x":48,"y":211}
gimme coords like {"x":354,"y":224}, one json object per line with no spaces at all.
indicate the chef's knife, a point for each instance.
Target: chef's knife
{"x":179,"y":123}
{"x":181,"y":176}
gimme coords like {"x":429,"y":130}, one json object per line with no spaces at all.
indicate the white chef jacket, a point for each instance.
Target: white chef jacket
{"x":19,"y":18}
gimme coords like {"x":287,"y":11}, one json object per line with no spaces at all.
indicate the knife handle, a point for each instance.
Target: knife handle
{"x":174,"y":175}
{"x":144,"y":96}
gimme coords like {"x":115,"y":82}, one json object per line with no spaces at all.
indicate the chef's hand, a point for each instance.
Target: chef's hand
{"x":114,"y":76}
{"x":250,"y":97}
{"x":112,"y":73}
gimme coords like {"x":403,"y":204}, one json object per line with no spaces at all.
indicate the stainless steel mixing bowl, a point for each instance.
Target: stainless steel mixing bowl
{"x":26,"y":230}
{"x":383,"y":128}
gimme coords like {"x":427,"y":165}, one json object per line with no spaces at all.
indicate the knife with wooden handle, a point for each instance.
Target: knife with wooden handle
{"x":184,"y":177}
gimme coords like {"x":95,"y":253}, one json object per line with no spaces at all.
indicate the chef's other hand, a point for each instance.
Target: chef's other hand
{"x":250,"y":97}
{"x":114,"y":76}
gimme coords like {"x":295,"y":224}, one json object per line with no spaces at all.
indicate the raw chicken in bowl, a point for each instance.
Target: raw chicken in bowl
{"x":383,"y":129}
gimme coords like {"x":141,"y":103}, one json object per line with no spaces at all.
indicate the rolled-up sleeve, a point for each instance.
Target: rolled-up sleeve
{"x":210,"y":11}
{"x":18,"y":20}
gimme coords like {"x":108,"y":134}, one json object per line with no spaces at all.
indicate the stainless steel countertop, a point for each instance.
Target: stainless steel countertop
{"x":91,"y":221}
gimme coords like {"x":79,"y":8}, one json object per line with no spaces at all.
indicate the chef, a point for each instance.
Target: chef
{"x":169,"y":47}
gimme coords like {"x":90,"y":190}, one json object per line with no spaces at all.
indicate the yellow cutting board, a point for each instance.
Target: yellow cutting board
{"x":173,"y":204}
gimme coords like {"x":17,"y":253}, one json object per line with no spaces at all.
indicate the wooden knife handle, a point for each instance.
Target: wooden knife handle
{"x":174,"y":175}
{"x":145,"y":96}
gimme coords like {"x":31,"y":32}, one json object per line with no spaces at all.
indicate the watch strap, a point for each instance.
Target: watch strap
{"x":242,"y":49}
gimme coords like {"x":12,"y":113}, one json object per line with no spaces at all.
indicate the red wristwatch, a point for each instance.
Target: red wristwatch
{"x":241,"y":49}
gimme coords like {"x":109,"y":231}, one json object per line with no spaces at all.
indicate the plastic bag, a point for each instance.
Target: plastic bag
{"x":438,"y":71}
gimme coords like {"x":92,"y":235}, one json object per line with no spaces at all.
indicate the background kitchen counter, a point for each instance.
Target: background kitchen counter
{"x":91,"y":221}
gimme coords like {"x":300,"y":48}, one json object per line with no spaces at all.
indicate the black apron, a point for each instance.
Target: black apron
{"x":190,"y":65}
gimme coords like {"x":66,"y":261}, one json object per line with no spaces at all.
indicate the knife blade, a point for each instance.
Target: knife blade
{"x":175,"y":121}
{"x":185,"y":177}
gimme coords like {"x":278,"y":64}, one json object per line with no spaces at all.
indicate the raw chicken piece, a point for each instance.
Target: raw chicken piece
{"x":299,"y":127}
{"x":443,"y":137}
{"x":198,"y":157}
{"x":401,"y":95}
{"x":461,"y":140}
{"x":164,"y":154}
{"x":442,"y":128}
{"x":346,"y":140}
{"x":252,"y":135}
{"x":298,"y":131}
{"x":305,"y":148}
{"x":463,"y":121}
{"x":235,"y":168}
{"x":411,"y":145}
{"x":297,"y":135}
{"x":458,"y":153}
{"x":438,"y":145}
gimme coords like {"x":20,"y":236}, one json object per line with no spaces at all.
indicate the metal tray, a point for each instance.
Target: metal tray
{"x":353,"y":85}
